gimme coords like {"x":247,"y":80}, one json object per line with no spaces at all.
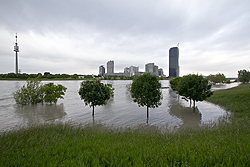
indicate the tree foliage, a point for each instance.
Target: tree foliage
{"x":53,"y":92}
{"x":175,"y":82}
{"x":94,"y":93}
{"x":31,"y":93}
{"x":194,"y":87}
{"x":35,"y":92}
{"x":218,"y":78}
{"x":244,"y":76}
{"x":145,"y":90}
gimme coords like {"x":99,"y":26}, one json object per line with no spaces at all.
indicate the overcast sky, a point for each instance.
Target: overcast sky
{"x":78,"y":36}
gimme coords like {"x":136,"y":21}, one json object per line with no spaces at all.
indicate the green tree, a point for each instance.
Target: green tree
{"x":65,"y":76}
{"x":88,"y":76}
{"x":218,"y":78}
{"x":94,"y":93}
{"x":11,"y":75}
{"x":53,"y":92}
{"x":244,"y":76}
{"x":34,"y":92}
{"x":46,"y":75}
{"x":194,"y":87}
{"x":145,"y":90}
{"x":31,"y":93}
{"x":174,"y":83}
{"x":74,"y":76}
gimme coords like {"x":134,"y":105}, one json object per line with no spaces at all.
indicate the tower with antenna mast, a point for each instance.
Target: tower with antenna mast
{"x":16,"y":49}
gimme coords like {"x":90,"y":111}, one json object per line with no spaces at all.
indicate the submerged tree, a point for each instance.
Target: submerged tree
{"x":31,"y":93}
{"x":218,"y":78}
{"x":34,"y":92}
{"x":53,"y":92}
{"x":145,"y":90}
{"x":94,"y":93}
{"x":194,"y":87}
{"x":175,"y":82}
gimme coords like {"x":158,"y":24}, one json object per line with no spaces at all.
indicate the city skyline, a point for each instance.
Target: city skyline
{"x":130,"y":71}
{"x":77,"y":36}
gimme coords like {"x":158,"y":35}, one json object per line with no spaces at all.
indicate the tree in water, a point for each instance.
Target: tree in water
{"x":31,"y":93}
{"x":35,"y":92}
{"x":94,"y":93}
{"x":194,"y":87}
{"x":175,"y":82}
{"x":218,"y":78}
{"x":53,"y":92}
{"x":145,"y":90}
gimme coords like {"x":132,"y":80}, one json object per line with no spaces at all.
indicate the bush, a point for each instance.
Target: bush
{"x":218,"y":78}
{"x":53,"y":92}
{"x":34,"y":92}
{"x":31,"y":93}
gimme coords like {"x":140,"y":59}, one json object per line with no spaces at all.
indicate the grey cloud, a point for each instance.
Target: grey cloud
{"x":89,"y":33}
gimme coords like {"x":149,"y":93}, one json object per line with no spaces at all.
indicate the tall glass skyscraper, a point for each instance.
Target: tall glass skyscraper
{"x":174,"y":62}
{"x":110,"y":67}
{"x":101,"y":70}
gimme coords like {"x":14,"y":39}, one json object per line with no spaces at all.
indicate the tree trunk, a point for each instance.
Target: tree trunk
{"x":147,"y":112}
{"x":194,"y":106}
{"x":93,"y":110}
{"x":93,"y":117}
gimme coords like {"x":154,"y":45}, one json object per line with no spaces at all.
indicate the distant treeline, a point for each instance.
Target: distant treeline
{"x":46,"y":75}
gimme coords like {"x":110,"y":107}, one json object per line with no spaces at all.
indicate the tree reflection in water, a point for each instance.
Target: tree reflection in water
{"x":40,"y":113}
{"x":189,"y":117}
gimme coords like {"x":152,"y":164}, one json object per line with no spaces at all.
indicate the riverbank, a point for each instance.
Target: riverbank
{"x":236,"y":100}
{"x":226,"y":144}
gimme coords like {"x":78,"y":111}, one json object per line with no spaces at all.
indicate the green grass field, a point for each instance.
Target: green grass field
{"x":223,"y":144}
{"x":236,"y":99}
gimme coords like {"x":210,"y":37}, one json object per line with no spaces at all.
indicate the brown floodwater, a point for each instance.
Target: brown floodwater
{"x":120,"y":111}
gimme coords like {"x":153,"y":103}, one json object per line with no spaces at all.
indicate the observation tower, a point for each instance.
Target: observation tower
{"x":16,"y":49}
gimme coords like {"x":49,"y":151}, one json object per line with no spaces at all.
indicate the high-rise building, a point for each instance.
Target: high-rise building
{"x":126,"y":71}
{"x":110,"y":67}
{"x":133,"y":71}
{"x":160,"y":72}
{"x":156,"y":70}
{"x":174,"y":62}
{"x":101,"y":70}
{"x":151,"y":68}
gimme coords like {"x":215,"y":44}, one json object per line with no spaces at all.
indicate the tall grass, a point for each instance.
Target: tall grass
{"x":226,"y":144}
{"x":64,"y":145}
{"x":235,"y":99}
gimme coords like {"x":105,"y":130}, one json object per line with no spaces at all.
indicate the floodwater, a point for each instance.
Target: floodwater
{"x":120,"y":111}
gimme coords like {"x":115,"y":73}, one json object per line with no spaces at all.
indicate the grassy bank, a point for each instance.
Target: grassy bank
{"x":63,"y":145}
{"x":236,"y":99}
